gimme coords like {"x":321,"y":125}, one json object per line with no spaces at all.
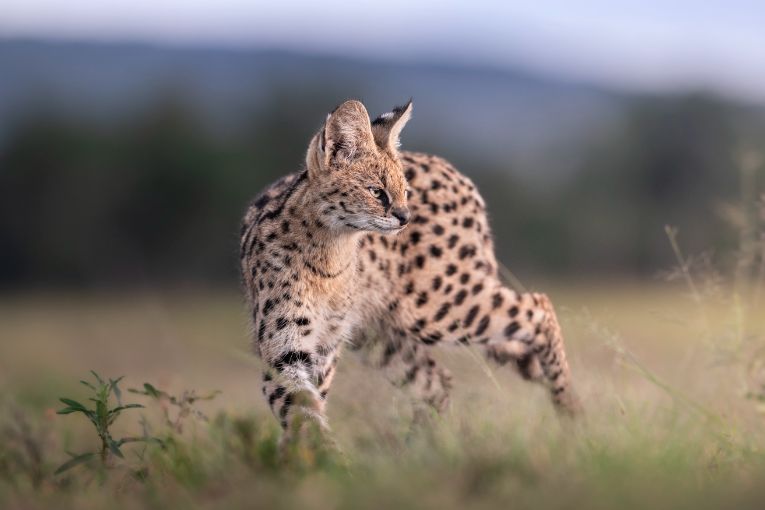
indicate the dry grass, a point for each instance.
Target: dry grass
{"x":664,"y":379}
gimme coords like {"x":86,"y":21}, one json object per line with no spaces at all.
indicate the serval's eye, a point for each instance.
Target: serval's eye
{"x":381,"y":195}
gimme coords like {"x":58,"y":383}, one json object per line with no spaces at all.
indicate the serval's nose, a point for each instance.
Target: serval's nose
{"x":402,"y":214}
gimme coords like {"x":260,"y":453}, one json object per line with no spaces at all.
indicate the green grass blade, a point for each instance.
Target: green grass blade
{"x":86,"y":383}
{"x":126,"y":406}
{"x":114,"y":387}
{"x":74,"y":461}
{"x":70,"y":410}
{"x":98,"y":377}
{"x":73,"y":403}
{"x":151,"y":390}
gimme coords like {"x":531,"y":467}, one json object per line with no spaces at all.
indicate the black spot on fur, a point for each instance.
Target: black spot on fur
{"x":261,"y":201}
{"x":411,"y":374}
{"x":437,"y":281}
{"x":512,"y":328}
{"x":285,"y":409}
{"x":513,"y":311}
{"x":460,"y":297}
{"x":302,"y":321}
{"x":438,"y":229}
{"x":483,"y":324}
{"x":467,"y":250}
{"x":441,"y":313}
{"x":432,"y":338}
{"x":276,"y":395}
{"x":471,"y":315}
{"x":453,"y":240}
{"x":496,"y":300}
{"x":451,"y":269}
{"x":422,"y":299}
{"x":261,"y":330}
{"x":292,"y":358}
{"x":418,"y":325}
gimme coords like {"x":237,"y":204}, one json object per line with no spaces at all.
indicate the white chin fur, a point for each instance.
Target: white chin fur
{"x":383,"y":226}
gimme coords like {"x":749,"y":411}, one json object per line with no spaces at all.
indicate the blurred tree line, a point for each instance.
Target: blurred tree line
{"x":158,"y":197}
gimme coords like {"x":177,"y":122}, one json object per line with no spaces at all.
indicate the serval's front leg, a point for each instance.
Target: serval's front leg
{"x":296,"y":386}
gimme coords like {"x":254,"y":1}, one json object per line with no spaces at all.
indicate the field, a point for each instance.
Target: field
{"x":669,"y":380}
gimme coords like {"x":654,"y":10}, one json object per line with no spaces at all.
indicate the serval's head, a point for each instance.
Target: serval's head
{"x":354,"y":167}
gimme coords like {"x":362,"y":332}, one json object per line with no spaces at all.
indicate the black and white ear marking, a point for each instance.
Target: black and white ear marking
{"x":387,"y":127}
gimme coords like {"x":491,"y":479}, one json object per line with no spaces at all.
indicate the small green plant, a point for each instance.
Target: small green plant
{"x":102,"y":416}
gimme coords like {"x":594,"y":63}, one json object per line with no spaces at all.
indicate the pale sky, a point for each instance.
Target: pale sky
{"x":644,"y":45}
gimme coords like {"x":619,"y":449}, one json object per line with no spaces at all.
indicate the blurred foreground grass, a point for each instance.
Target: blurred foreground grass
{"x":664,"y":380}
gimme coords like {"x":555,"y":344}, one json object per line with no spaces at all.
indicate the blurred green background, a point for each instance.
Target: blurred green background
{"x":131,"y":164}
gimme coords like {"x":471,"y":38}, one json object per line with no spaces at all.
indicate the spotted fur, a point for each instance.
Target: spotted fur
{"x":368,"y":238}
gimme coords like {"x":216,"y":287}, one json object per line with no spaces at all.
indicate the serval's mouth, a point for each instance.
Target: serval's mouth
{"x":388,"y":229}
{"x":395,"y":230}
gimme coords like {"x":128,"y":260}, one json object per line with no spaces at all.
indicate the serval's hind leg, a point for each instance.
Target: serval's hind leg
{"x":409,"y":365}
{"x":526,"y":332}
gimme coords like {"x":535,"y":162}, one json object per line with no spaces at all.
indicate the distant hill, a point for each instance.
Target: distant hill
{"x":495,"y":115}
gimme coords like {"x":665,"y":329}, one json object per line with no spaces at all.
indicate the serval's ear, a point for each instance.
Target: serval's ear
{"x":346,"y":133}
{"x":387,"y":127}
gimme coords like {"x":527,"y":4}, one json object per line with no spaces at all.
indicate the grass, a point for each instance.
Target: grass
{"x":668,"y":423}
